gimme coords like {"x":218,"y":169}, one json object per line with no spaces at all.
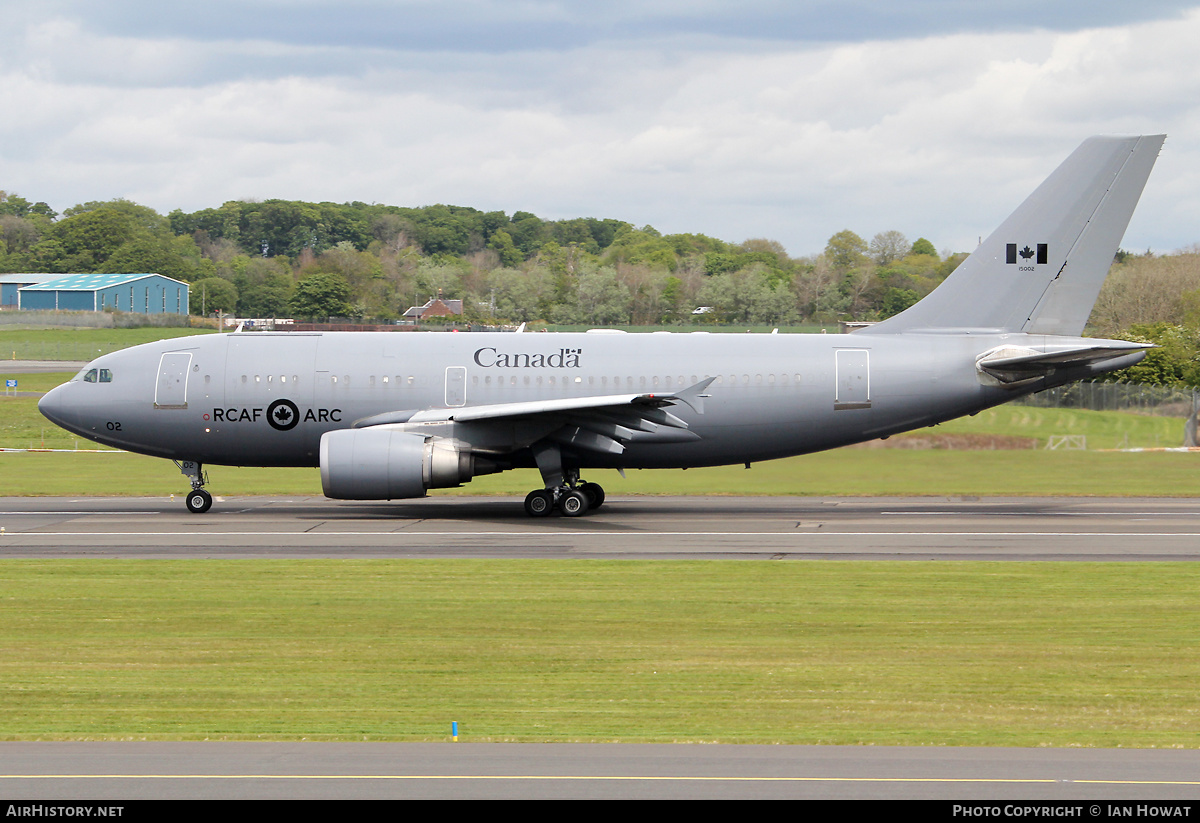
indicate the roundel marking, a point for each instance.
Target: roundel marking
{"x":283,"y":415}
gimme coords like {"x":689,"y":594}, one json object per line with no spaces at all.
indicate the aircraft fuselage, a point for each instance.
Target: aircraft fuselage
{"x":267,"y":398}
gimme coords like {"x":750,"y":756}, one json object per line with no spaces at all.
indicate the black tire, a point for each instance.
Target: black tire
{"x":595,"y":495}
{"x":573,"y":503}
{"x":198,"y":501}
{"x":539,"y":503}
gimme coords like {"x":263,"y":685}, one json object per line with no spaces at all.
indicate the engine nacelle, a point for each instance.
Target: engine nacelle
{"x":385,"y":464}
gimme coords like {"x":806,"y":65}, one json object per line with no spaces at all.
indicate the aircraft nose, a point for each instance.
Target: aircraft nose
{"x":53,"y":407}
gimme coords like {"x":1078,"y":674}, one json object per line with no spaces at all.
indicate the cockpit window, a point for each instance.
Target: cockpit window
{"x":105,"y":376}
{"x":90,"y":377}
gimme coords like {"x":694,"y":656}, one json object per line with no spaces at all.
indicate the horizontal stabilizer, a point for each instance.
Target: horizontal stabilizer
{"x":1010,"y":364}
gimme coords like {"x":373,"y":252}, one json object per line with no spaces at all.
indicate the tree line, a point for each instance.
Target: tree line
{"x":371,"y":261}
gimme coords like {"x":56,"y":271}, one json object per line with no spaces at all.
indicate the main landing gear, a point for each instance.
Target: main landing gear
{"x":563,"y":489}
{"x":198,"y":500}
{"x":572,"y":501}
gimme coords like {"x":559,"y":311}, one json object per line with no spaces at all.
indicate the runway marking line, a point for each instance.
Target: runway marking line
{"x":695,"y":778}
{"x":558,"y":535}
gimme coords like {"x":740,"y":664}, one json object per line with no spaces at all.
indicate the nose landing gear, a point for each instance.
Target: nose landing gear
{"x":198,"y":501}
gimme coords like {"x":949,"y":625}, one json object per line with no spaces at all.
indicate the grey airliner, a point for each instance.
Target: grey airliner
{"x":388,"y":416}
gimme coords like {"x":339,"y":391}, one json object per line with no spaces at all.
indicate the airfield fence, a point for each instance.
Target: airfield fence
{"x":99,"y":319}
{"x":1139,"y":398}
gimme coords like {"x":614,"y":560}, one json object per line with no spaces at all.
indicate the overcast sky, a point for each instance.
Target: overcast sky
{"x":756,"y":118}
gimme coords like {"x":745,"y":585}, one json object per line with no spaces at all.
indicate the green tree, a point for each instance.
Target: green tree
{"x":923,"y":246}
{"x":897,"y":300}
{"x":846,"y":250}
{"x":212,"y":294}
{"x":177,"y":257}
{"x":1176,"y":361}
{"x":323,"y":294}
{"x":502,"y":243}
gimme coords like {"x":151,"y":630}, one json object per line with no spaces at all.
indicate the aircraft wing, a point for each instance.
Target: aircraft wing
{"x":602,"y":423}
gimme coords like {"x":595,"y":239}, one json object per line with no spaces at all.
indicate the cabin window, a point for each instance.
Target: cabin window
{"x":332,"y":378}
{"x":385,"y":378}
{"x":243,"y":378}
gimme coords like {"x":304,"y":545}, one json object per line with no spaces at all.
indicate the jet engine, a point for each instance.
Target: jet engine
{"x":385,"y":464}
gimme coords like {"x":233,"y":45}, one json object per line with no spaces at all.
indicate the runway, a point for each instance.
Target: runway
{"x":127,"y":771}
{"x":775,"y":528}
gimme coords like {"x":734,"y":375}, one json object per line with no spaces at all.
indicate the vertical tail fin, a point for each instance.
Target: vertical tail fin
{"x":1041,"y":271}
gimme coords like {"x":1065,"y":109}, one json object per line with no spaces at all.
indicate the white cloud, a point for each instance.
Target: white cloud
{"x":937,"y":136}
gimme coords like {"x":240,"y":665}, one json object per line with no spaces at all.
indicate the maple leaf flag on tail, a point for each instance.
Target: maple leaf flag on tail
{"x":1043,"y":253}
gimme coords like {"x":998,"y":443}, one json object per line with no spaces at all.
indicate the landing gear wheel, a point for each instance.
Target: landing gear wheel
{"x":199,"y":501}
{"x":573,"y":503}
{"x":539,"y":503}
{"x":595,"y":495}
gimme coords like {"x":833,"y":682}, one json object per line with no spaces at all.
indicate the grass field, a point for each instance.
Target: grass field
{"x":1015,"y":654}
{"x":837,"y":473}
{"x":66,"y":343}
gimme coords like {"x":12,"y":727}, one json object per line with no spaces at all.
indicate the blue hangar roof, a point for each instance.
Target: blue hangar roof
{"x":91,"y":282}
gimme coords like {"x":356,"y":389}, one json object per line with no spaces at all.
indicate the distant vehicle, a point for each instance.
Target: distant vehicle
{"x":389,"y":416}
